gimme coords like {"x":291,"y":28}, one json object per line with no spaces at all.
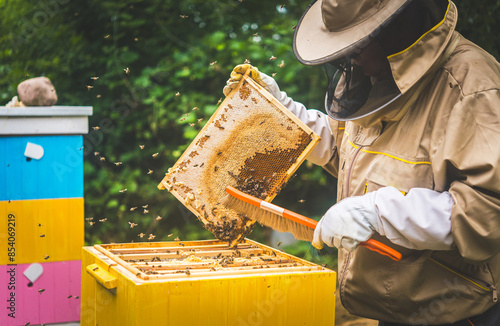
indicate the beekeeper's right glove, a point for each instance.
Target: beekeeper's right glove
{"x":261,"y":78}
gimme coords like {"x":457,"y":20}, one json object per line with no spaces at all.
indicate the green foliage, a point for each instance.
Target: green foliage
{"x":156,"y":60}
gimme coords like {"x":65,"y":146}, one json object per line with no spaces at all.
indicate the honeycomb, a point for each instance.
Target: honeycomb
{"x":252,"y":143}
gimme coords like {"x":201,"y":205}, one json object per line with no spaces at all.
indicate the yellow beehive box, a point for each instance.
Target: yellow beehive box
{"x":203,"y":283}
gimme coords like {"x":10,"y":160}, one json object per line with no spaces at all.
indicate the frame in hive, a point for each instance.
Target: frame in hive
{"x":253,"y":143}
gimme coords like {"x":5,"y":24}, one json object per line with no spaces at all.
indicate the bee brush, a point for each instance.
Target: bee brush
{"x":281,"y":219}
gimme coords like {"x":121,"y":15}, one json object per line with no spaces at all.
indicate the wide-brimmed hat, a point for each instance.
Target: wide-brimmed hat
{"x":332,"y":29}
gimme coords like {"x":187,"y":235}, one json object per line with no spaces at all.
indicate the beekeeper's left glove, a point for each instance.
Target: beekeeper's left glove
{"x":347,"y":223}
{"x":261,"y":78}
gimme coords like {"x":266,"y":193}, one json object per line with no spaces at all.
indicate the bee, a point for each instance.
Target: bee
{"x":145,"y":206}
{"x":273,"y":74}
{"x":42,"y":235}
{"x":282,"y":6}
{"x":102,"y":158}
{"x":200,"y":120}
{"x":69,"y":296}
{"x":94,"y":78}
{"x":187,"y":272}
{"x":107,"y":36}
{"x":77,"y":297}
{"x":177,"y":239}
{"x":213,"y":63}
{"x":95,"y":268}
{"x":123,"y":190}
{"x":272,"y":58}
{"x":302,"y":201}
{"x":118,"y":163}
{"x":133,"y":209}
{"x":89,"y":219}
{"x":141,"y":235}
{"x":195,"y":108}
{"x":219,"y":101}
{"x":171,"y":234}
{"x":184,"y":16}
{"x":146,"y":211}
{"x":293,"y":27}
{"x":158,"y":218}
{"x":215,"y":168}
{"x":177,"y":94}
{"x":278,"y":244}
{"x":155,"y":155}
{"x":282,"y":64}
{"x":136,"y":39}
{"x":103,"y":220}
{"x":96,"y":128}
{"x":39,"y":224}
{"x":151,"y":237}
{"x":98,"y":95}
{"x":219,"y":153}
{"x":191,"y":124}
{"x":91,"y":223}
{"x":150,"y":171}
{"x":89,"y":87}
{"x":46,"y":257}
{"x":182,"y":119}
{"x":41,"y":290}
{"x":127,"y":70}
{"x":141,"y":146}
{"x":246,"y":61}
{"x":96,"y":153}
{"x":132,"y":225}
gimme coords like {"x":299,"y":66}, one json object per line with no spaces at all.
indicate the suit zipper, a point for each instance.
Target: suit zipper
{"x":341,"y":285}
{"x":483,"y":285}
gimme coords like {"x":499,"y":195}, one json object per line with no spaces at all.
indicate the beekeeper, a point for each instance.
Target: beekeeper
{"x":412,"y":132}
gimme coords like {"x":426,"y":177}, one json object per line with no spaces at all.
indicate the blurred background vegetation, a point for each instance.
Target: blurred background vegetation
{"x":155,"y":60}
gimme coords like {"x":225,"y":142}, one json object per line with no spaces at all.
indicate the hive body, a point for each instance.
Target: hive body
{"x":241,"y":290}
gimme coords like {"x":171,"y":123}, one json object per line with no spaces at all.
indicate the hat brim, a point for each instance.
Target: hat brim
{"x":314,"y":44}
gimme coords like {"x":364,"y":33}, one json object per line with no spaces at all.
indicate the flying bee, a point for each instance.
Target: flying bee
{"x":246,"y":61}
{"x":282,"y":6}
{"x":272,"y":58}
{"x":273,"y":74}
{"x":132,"y":224}
{"x":123,"y":190}
{"x":177,"y":239}
{"x":191,"y":124}
{"x":200,"y":120}
{"x":302,"y":201}
{"x":184,"y":16}
{"x":155,"y":155}
{"x":89,"y":219}
{"x":151,"y":237}
{"x":118,"y":163}
{"x":145,"y":206}
{"x":89,"y":87}
{"x":182,"y":119}
{"x":171,"y":234}
{"x":282,"y":64}
{"x":103,"y":220}
{"x":146,"y":211}
{"x":141,"y":146}
{"x":141,"y":235}
{"x":94,"y":78}
{"x":127,"y":70}
{"x":177,"y":94}
{"x":96,"y":128}
{"x":195,"y":108}
{"x":136,"y":39}
{"x":98,"y":95}
{"x":219,"y":101}
{"x":158,"y":218}
{"x":150,"y":171}
{"x":278,"y":244}
{"x":213,"y":63}
{"x":133,"y":209}
{"x":107,"y":36}
{"x":96,"y":153}
{"x":91,"y":223}
{"x":102,"y":158}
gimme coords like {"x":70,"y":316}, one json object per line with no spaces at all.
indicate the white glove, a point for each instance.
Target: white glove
{"x":261,"y":78}
{"x":420,"y":220}
{"x":347,"y":223}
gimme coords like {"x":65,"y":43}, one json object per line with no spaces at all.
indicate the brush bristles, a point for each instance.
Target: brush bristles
{"x":274,"y":221}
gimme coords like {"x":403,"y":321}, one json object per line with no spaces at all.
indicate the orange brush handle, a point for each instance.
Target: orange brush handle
{"x":370,"y":243}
